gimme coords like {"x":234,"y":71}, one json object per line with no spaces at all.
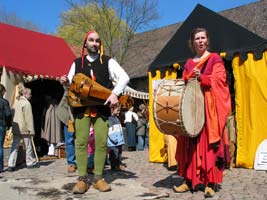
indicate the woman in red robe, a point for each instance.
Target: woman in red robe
{"x":201,"y":160}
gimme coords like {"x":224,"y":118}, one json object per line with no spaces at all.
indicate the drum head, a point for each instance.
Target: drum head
{"x":193,"y":111}
{"x":167,"y":106}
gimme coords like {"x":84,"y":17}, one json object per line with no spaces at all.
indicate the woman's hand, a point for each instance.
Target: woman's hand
{"x":197,"y":73}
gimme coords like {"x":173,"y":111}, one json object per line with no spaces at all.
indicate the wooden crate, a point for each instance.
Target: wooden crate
{"x":61,"y":151}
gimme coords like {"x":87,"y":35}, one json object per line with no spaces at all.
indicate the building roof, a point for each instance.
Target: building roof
{"x":224,"y":36}
{"x":33,"y":53}
{"x":146,"y":46}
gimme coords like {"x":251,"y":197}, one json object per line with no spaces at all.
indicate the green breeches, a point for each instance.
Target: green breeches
{"x":82,"y":127}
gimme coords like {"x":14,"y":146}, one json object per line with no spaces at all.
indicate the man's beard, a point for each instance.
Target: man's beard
{"x":92,"y":50}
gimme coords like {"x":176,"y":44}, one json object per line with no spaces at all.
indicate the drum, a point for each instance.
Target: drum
{"x":179,"y":108}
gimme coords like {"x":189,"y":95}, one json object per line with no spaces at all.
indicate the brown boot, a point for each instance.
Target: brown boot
{"x":81,"y":186}
{"x":101,"y":185}
{"x":117,"y":168}
{"x":182,"y":188}
{"x":71,"y":168}
{"x":209,"y":192}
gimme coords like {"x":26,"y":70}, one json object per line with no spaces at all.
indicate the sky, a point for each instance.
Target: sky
{"x":46,"y":13}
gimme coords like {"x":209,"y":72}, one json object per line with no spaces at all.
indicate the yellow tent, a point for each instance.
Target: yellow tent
{"x":245,"y":56}
{"x":251,"y":106}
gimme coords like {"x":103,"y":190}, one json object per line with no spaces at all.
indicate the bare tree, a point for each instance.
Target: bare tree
{"x":13,"y":19}
{"x":117,"y":21}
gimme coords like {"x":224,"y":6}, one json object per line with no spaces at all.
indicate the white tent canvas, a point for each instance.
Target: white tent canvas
{"x":260,"y":162}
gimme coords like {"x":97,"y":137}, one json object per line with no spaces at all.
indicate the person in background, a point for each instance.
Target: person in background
{"x":52,"y":127}
{"x":23,"y":127}
{"x":171,"y":145}
{"x":5,"y":123}
{"x":147,"y":136}
{"x":140,"y":131}
{"x":203,"y":159}
{"x":130,"y":125}
{"x":91,"y":150}
{"x":115,"y":138}
{"x":144,"y":110}
{"x":64,"y":114}
{"x":70,"y":148}
{"x":108,"y":73}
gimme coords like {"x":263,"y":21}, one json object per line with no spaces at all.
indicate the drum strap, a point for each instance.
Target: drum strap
{"x":200,"y":64}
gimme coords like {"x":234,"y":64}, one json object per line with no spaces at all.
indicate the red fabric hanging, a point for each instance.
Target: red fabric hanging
{"x":34,"y":53}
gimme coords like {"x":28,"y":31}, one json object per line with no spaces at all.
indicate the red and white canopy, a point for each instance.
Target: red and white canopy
{"x":33,"y":53}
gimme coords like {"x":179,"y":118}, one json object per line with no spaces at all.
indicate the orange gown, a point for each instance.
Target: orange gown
{"x":201,"y":160}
